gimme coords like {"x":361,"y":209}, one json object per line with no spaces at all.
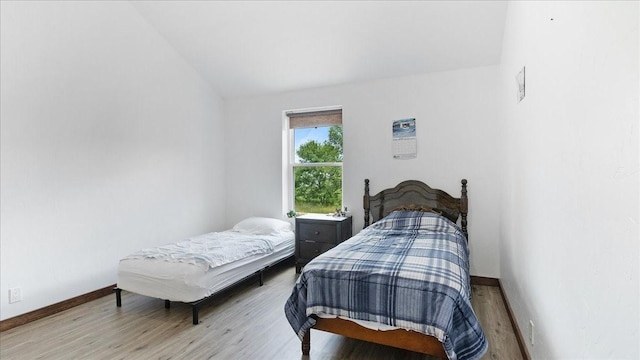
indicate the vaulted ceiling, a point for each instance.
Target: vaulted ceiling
{"x":254,"y":47}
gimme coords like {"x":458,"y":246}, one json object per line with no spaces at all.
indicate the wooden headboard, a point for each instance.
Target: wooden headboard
{"x":414,"y":194}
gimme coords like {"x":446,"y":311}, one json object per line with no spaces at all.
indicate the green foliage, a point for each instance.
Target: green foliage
{"x":335,"y":139}
{"x":319,"y":185}
{"x":319,"y":188}
{"x":309,"y":208}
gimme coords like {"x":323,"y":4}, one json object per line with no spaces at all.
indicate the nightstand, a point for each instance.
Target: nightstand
{"x":317,"y":233}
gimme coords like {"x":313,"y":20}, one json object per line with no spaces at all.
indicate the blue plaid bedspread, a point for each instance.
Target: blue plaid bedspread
{"x":409,"y":270}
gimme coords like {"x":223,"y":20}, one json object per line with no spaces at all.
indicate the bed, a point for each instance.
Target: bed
{"x":194,"y":270}
{"x":403,"y":281}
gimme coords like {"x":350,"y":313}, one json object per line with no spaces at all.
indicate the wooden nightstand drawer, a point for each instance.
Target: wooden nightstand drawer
{"x":318,"y":232}
{"x":311,"y":249}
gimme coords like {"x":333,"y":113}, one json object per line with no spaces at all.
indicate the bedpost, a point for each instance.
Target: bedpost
{"x":365,"y":202}
{"x":464,"y":208}
{"x":306,"y":343}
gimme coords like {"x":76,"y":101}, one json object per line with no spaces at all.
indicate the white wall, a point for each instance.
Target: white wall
{"x":109,"y":143}
{"x":569,"y":225}
{"x":456,"y":122}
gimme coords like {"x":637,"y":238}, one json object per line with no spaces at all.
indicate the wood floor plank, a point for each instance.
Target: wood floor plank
{"x":246,"y":322}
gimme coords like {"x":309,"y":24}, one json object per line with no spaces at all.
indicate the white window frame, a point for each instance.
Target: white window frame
{"x":289,"y":154}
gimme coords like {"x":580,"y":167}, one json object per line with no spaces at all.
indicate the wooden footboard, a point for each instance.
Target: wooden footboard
{"x":400,"y":338}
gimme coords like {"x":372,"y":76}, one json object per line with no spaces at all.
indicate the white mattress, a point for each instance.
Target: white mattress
{"x":187,"y":282}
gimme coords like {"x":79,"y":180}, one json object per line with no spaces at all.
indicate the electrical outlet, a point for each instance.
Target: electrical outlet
{"x":531,"y":332}
{"x":15,"y":295}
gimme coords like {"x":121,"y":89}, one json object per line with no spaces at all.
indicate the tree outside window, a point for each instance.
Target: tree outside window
{"x":318,"y":169}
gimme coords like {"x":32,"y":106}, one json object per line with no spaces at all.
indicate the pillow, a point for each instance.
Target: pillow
{"x":262,"y":226}
{"x":450,"y":214}
{"x":414,"y":207}
{"x":412,"y":220}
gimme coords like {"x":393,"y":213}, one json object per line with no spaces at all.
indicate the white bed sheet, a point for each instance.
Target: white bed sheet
{"x":187,"y":282}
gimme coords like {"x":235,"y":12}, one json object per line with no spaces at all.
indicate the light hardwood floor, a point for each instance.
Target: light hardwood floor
{"x":246,"y":322}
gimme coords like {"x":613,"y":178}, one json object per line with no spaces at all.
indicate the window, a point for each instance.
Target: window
{"x":315,"y":161}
